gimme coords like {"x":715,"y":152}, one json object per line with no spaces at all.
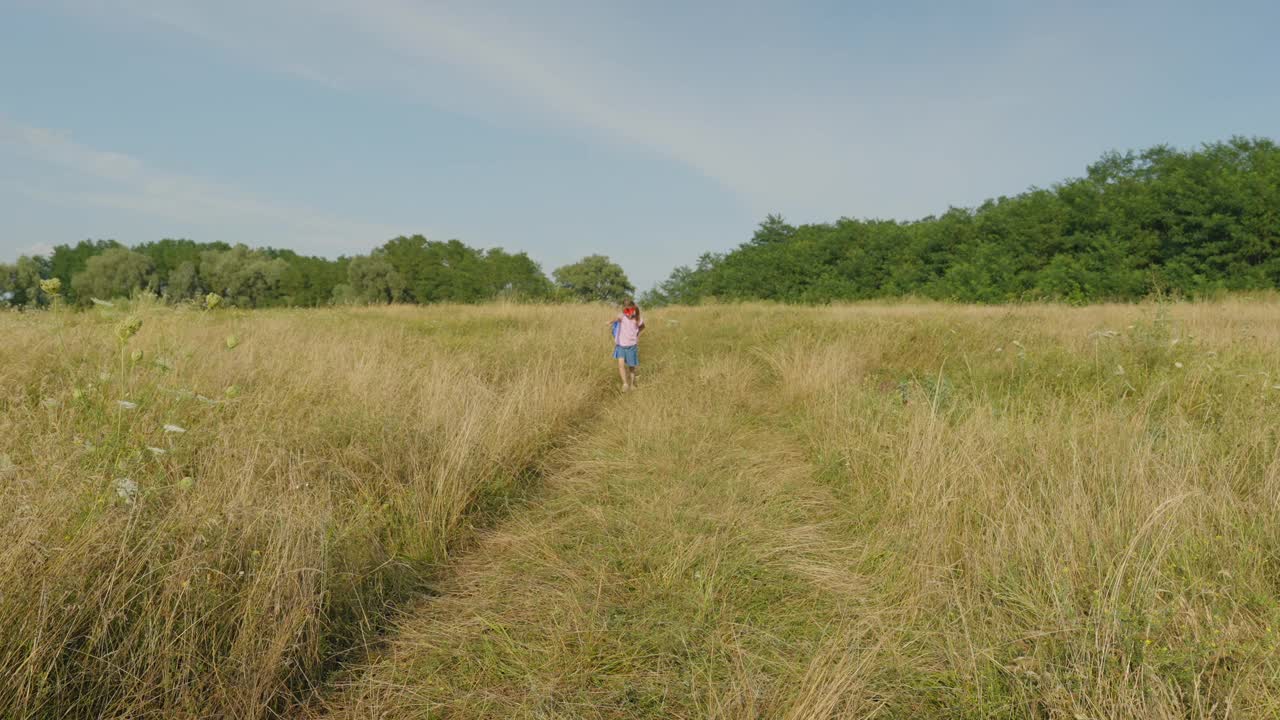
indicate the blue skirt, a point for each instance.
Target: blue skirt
{"x":629,"y":354}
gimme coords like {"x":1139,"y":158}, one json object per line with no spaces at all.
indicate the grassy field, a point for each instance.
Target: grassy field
{"x":894,"y":511}
{"x":204,"y":519}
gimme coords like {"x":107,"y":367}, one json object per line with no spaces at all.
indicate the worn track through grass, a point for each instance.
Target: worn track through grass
{"x":679,"y":566}
{"x":900,"y":511}
{"x":891,"y":512}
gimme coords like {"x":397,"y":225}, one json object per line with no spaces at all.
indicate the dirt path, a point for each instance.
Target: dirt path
{"x":677,"y":567}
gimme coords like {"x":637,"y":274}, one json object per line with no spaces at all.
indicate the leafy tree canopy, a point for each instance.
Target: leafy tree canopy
{"x":1193,"y":222}
{"x":116,"y":272}
{"x":594,"y":278}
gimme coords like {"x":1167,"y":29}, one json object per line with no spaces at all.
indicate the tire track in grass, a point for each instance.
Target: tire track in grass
{"x":489,"y":509}
{"x":676,"y":565}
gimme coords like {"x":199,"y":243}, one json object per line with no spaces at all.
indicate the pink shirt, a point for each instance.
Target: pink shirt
{"x":628,"y":331}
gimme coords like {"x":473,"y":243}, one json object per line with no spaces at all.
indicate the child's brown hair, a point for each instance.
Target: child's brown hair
{"x":634,"y":309}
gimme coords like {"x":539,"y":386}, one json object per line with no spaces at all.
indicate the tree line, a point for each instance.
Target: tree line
{"x":1193,"y":223}
{"x":405,"y":270}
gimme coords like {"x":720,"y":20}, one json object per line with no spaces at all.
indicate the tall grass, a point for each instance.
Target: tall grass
{"x":1066,"y":513}
{"x":906,"y":510}
{"x":205,"y":517}
{"x":890,"y":511}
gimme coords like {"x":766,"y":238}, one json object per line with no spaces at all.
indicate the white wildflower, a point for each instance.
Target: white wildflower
{"x":1178,"y":365}
{"x":127,"y":489}
{"x":156,"y":450}
{"x":52,"y":286}
{"x":128,"y":328}
{"x":127,"y":405}
{"x":102,"y":303}
{"x":999,"y":349}
{"x":1119,"y":370}
{"x":170,"y":428}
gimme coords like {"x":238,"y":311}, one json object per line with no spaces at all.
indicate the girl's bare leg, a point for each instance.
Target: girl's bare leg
{"x":631,"y":375}
{"x":622,"y":371}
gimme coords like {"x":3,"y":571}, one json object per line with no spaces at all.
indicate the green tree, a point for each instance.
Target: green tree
{"x":116,"y":272}
{"x":1193,"y":221}
{"x":247,"y":278}
{"x":67,"y":260}
{"x":8,"y":283}
{"x":169,"y":254}
{"x":595,"y":278}
{"x":514,"y":275}
{"x":372,"y":279}
{"x":183,"y":282}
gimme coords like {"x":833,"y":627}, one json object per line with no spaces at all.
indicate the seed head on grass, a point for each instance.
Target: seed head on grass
{"x":212,"y":301}
{"x":51,"y":287}
{"x":128,"y":328}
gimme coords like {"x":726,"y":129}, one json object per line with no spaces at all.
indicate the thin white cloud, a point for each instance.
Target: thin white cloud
{"x":882,"y":139}
{"x":70,"y":174}
{"x":493,"y":66}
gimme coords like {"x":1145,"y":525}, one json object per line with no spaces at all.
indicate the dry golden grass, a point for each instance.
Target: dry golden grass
{"x":1081,"y":523}
{"x":325,"y":467}
{"x":903,"y":511}
{"x":894,"y":511}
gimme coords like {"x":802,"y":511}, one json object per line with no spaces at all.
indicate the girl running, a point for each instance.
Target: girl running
{"x":626,"y":333}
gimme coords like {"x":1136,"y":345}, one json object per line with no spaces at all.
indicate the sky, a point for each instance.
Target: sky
{"x":649,"y":132}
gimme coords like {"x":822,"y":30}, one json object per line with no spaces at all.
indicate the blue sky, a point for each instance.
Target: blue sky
{"x":650,"y":132}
